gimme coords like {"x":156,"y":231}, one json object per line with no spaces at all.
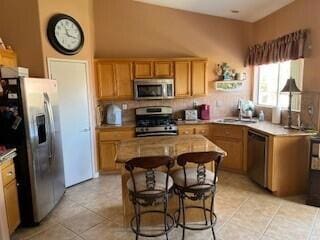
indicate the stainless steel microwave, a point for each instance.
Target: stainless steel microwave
{"x":147,"y":89}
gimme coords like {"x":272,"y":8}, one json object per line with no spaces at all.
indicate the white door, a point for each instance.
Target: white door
{"x":72,"y":81}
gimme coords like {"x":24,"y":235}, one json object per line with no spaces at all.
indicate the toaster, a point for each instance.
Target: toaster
{"x":191,"y":115}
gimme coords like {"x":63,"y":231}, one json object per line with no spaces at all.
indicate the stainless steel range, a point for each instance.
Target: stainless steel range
{"x":155,"y":121}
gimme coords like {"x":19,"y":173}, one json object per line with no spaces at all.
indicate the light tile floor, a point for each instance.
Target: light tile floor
{"x":92,"y":211}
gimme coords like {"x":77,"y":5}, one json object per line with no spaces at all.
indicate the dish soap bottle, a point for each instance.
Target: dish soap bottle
{"x":261,"y":116}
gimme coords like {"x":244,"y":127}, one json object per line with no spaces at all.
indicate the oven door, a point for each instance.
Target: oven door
{"x":153,"y":89}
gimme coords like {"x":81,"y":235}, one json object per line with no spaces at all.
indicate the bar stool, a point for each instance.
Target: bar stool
{"x":196,"y":184}
{"x":149,"y":188}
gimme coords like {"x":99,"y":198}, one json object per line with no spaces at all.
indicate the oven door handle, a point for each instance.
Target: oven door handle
{"x":157,"y":134}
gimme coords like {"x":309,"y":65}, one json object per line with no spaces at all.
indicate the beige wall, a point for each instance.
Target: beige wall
{"x":299,"y":14}
{"x":20,"y":28}
{"x":81,"y":10}
{"x":125,"y":28}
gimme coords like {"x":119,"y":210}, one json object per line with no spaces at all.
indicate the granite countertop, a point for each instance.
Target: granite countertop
{"x":165,"y":145}
{"x":265,"y":127}
{"x":123,"y":125}
{"x":7,"y":155}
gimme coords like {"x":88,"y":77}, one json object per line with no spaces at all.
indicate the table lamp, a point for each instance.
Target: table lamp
{"x":290,"y":88}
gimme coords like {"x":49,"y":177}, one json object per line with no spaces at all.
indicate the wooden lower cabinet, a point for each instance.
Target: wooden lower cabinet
{"x":10,"y":195}
{"x":108,"y":141}
{"x":108,"y":150}
{"x":12,"y":205}
{"x":232,"y":139}
{"x":234,"y":148}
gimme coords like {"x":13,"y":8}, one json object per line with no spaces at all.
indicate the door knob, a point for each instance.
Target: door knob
{"x":85,"y":130}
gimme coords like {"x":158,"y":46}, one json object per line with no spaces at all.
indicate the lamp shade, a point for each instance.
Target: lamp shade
{"x":290,"y":87}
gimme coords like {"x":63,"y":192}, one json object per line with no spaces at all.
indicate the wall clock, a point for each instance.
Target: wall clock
{"x":65,"y":34}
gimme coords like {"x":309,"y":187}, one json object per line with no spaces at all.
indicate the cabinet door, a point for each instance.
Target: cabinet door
{"x":124,"y":80}
{"x":107,"y":152}
{"x":163,"y":69}
{"x":143,"y":69}
{"x":105,"y":75}
{"x":199,"y":81}
{"x":182,"y":79}
{"x":12,"y":205}
{"x":234,"y":159}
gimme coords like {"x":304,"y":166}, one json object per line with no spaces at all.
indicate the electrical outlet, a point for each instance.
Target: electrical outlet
{"x":310,"y":110}
{"x":218,"y":103}
{"x":124,"y":106}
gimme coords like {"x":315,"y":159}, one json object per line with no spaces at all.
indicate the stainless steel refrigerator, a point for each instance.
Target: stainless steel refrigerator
{"x":29,"y":121}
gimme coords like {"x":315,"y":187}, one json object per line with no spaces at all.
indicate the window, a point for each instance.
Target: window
{"x":271,"y":78}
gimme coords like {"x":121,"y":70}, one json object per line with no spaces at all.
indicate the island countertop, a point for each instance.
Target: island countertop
{"x":165,"y":145}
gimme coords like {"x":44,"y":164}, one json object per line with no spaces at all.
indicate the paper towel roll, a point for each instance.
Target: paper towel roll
{"x":276,"y":115}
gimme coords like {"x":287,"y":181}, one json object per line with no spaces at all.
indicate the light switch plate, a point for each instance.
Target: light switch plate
{"x":124,"y":106}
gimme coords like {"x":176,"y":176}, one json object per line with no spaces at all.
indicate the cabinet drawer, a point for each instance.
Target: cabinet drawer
{"x":203,"y":130}
{"x":220,"y":130}
{"x":189,"y":130}
{"x":8,"y":174}
{"x":116,"y":135}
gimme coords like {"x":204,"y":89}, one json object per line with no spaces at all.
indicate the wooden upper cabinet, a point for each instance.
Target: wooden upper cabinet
{"x":8,"y":58}
{"x":182,"y":79}
{"x":163,"y":69}
{"x":199,"y":81}
{"x":124,"y":80}
{"x":143,"y":69}
{"x":114,"y":80}
{"x":106,"y":88}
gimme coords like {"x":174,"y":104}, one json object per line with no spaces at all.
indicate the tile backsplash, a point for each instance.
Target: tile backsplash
{"x":222,"y":104}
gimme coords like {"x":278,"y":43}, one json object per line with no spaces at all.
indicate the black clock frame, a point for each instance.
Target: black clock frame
{"x":52,"y":37}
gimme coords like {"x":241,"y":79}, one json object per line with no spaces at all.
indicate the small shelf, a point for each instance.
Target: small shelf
{"x":228,"y":85}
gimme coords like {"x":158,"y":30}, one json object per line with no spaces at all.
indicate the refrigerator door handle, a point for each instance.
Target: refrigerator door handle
{"x":51,"y":123}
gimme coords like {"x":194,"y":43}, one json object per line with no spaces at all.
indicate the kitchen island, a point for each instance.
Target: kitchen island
{"x":171,"y":146}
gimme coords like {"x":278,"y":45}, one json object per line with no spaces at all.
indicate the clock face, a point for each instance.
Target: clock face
{"x":65,"y":34}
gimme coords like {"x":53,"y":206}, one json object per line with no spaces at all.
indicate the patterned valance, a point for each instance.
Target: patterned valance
{"x":288,"y":47}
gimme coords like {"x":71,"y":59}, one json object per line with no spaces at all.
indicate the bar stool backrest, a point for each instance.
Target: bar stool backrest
{"x":200,"y":159}
{"x":149,"y":164}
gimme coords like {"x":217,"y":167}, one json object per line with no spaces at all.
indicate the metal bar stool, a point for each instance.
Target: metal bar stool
{"x":149,"y":188}
{"x":196,"y":184}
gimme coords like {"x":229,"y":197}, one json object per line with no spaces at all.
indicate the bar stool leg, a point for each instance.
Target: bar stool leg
{"x":183,"y":218}
{"x":179,"y":213}
{"x":137,"y":214}
{"x":211,"y":216}
{"x":204,"y":211}
{"x":165,"y":203}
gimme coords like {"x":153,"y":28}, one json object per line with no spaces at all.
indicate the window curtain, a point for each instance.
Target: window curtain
{"x":288,"y":47}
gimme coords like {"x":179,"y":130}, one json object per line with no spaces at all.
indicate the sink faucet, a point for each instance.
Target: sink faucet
{"x":239,"y":110}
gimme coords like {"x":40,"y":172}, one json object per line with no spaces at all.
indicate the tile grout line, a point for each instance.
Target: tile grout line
{"x":270,"y":221}
{"x":314,"y":223}
{"x":238,"y":208}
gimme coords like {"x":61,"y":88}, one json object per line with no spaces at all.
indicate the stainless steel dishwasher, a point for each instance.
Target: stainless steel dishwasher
{"x":258,"y":157}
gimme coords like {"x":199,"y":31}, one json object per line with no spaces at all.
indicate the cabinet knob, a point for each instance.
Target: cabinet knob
{"x":10,"y":173}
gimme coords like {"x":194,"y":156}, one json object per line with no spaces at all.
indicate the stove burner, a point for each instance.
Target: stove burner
{"x":155,"y":123}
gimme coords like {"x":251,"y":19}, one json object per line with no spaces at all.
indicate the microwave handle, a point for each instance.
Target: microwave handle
{"x":164,"y":90}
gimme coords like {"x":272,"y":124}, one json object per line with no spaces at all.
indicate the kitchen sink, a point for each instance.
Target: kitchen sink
{"x":236,"y":120}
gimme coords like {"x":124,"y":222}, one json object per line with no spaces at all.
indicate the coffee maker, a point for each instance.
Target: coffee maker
{"x":204,"y":110}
